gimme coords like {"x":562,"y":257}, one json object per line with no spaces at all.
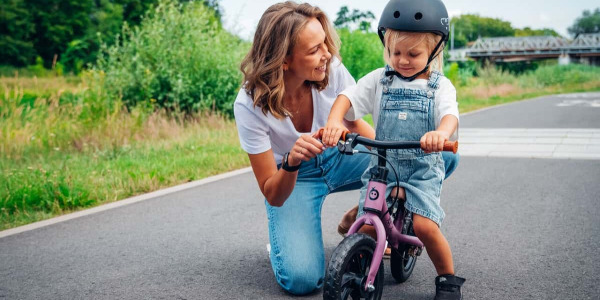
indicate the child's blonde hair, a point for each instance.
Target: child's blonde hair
{"x":392,"y":37}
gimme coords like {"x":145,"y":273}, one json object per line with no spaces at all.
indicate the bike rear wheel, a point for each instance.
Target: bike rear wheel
{"x":402,"y":262}
{"x":348,"y":269}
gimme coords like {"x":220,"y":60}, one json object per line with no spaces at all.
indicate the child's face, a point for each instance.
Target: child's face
{"x":409,"y":56}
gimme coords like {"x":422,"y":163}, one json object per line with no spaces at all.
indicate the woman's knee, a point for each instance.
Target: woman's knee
{"x":450,"y":162}
{"x":301,"y":281}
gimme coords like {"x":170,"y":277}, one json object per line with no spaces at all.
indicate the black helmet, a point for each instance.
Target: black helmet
{"x":415,"y":16}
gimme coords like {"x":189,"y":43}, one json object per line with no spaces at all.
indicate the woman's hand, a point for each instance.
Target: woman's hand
{"x":332,"y":132}
{"x":433,"y":141}
{"x":305,"y":148}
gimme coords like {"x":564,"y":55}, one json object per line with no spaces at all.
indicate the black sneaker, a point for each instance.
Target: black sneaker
{"x":447,"y":287}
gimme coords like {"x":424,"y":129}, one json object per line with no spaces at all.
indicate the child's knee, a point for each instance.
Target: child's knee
{"x":424,"y":228}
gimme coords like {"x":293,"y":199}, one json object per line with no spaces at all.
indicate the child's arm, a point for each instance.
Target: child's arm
{"x":433,"y":141}
{"x":335,"y":123}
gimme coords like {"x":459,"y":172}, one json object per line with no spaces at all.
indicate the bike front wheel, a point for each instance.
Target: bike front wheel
{"x":348,"y":269}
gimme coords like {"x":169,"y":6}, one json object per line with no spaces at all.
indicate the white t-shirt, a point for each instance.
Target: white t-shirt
{"x":259,"y":132}
{"x":365,"y":97}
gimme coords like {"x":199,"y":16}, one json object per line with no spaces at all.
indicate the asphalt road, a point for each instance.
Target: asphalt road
{"x":520,"y":228}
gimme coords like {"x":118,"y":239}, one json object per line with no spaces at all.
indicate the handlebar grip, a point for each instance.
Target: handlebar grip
{"x":451,"y":146}
{"x":320,"y":134}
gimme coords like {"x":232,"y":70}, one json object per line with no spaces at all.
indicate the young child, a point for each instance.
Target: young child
{"x":410,"y":99}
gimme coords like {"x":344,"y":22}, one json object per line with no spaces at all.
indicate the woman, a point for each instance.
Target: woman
{"x":292,"y":75}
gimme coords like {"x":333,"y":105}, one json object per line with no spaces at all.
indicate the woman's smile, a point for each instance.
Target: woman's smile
{"x":322,"y":68}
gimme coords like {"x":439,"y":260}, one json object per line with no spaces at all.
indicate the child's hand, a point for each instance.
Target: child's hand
{"x":332,"y":132}
{"x":433,"y":141}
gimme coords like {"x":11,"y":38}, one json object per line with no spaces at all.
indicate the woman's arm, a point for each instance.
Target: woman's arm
{"x":277,"y":185}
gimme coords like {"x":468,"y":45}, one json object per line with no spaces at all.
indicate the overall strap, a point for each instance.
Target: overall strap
{"x":434,"y":80}
{"x":432,"y":85}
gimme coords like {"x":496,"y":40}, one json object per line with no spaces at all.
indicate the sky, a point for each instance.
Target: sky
{"x":241,"y":16}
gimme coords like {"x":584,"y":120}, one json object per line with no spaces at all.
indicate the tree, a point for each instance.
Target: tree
{"x":214,"y":5}
{"x":57,"y":22}
{"x":361,"y":19}
{"x":589,"y":22}
{"x":536,"y":32}
{"x":16,"y":29}
{"x":469,"y":27}
{"x":69,"y":30}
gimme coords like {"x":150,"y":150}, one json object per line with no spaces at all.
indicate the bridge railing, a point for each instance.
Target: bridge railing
{"x":536,"y":46}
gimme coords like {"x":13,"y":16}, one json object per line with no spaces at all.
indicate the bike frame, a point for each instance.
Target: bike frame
{"x":375,"y":207}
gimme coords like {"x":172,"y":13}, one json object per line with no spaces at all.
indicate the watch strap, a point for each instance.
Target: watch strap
{"x":287,"y":167}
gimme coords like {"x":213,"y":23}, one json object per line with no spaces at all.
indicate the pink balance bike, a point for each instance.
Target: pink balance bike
{"x":355,"y":270}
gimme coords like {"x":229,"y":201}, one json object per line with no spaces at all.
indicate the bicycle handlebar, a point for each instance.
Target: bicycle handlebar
{"x":355,"y":138}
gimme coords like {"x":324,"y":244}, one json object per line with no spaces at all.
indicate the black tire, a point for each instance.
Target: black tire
{"x":402,"y":263}
{"x":348,"y":269}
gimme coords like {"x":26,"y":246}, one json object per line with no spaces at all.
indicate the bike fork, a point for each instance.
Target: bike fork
{"x":373,"y":220}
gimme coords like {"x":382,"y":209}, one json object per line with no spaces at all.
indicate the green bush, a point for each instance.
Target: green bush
{"x":452,"y":71}
{"x":362,"y":52}
{"x":563,"y":75}
{"x":179,"y":58}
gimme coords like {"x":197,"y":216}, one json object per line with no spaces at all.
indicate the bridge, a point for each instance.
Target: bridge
{"x":585,"y":48}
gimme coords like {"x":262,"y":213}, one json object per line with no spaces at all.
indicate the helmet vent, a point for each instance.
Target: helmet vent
{"x":418,"y":16}
{"x":396,"y":14}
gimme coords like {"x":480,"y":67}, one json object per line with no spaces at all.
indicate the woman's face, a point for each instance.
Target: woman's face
{"x":308,"y":60}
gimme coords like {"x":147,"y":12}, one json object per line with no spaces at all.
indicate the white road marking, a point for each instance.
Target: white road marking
{"x":560,"y":143}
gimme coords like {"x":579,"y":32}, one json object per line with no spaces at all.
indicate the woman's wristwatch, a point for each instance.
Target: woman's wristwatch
{"x":286,"y":166}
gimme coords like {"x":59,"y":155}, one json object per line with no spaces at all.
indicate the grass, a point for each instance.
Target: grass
{"x":40,"y":186}
{"x":58,"y":156}
{"x":63,"y":148}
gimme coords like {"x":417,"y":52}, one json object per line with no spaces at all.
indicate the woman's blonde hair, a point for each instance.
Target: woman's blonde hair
{"x":274,"y":39}
{"x":392,"y":37}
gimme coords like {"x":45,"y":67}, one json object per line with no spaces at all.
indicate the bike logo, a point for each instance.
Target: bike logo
{"x":373,"y":194}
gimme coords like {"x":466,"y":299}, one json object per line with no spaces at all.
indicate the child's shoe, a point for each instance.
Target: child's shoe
{"x":447,"y":287}
{"x":347,"y":220}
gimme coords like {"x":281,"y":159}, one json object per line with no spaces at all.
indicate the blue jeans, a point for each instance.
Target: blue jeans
{"x":450,"y":162}
{"x":297,"y":253}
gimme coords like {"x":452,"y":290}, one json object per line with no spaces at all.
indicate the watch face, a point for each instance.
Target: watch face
{"x":285,"y":159}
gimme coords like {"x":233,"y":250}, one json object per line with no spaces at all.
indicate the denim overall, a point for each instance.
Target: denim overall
{"x":406,"y":115}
